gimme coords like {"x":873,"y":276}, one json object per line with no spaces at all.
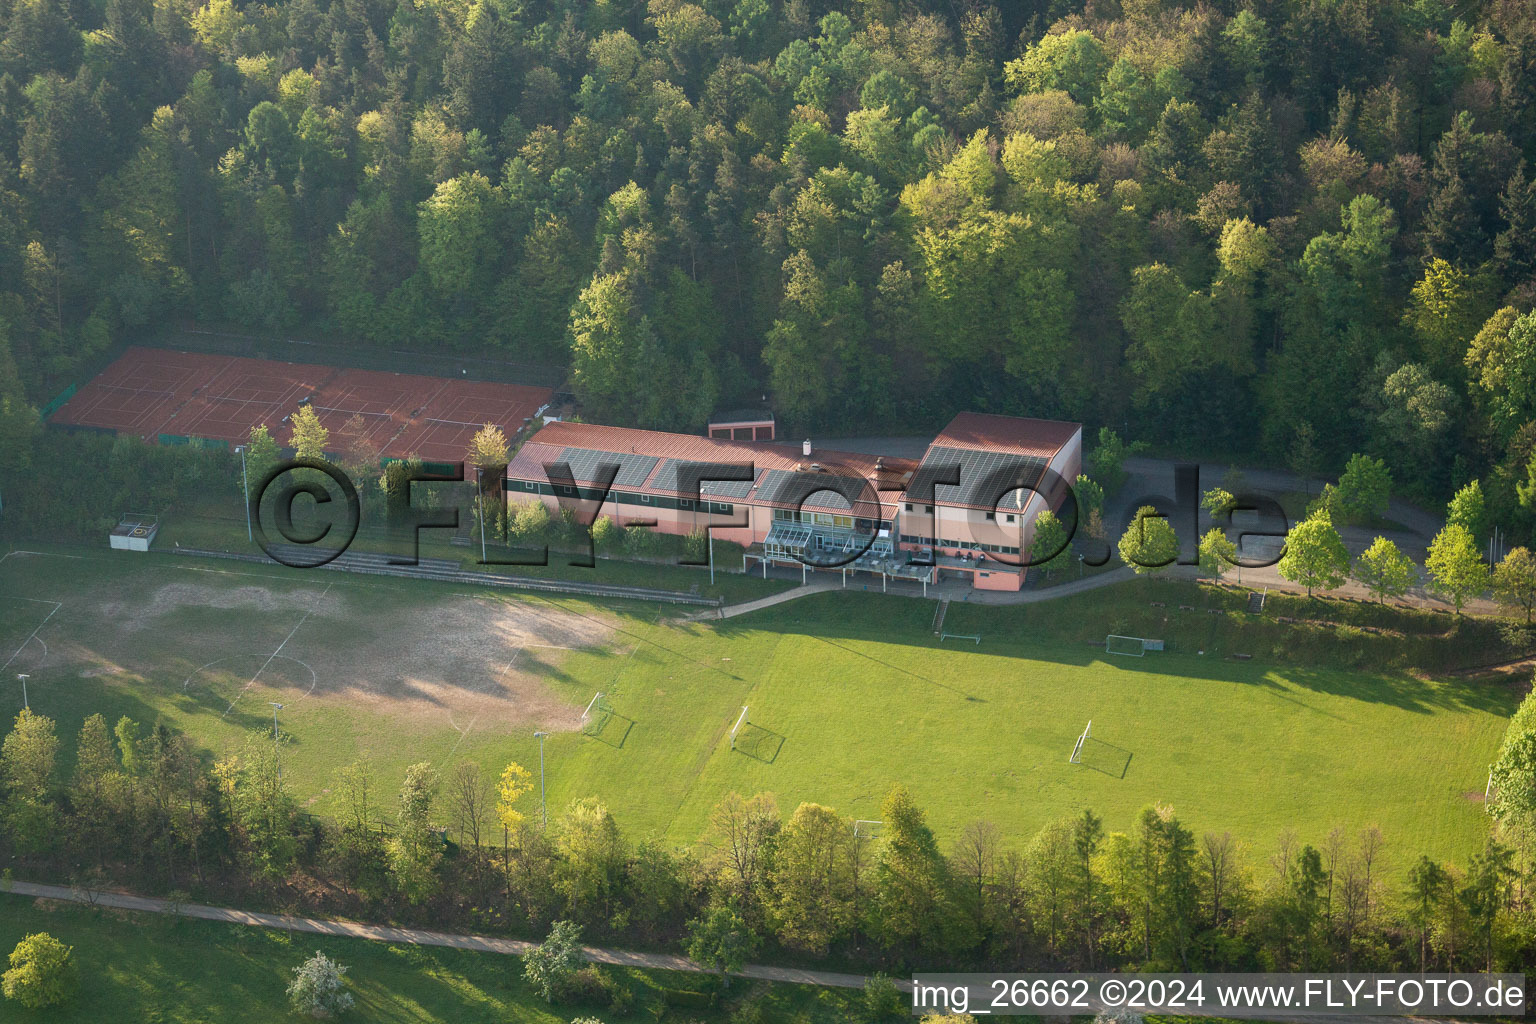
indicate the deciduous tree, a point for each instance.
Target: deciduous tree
{"x":1456,"y":570}
{"x":1149,"y":543}
{"x":1384,"y":570}
{"x":1364,"y":489}
{"x":812,"y":879}
{"x":308,"y":435}
{"x":42,"y":972}
{"x":1514,"y":581}
{"x":1314,"y":554}
{"x":319,"y":987}
{"x":550,"y":965}
{"x":415,"y":849}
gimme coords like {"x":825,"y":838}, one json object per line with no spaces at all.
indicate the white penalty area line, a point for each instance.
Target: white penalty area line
{"x":313,"y":678}
{"x":40,"y":554}
{"x":464,"y":732}
{"x":30,"y":636}
{"x":275,"y":653}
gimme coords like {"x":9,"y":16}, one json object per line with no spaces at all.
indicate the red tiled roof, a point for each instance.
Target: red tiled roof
{"x":968,"y":431}
{"x":662,"y":445}
{"x":1015,"y":434}
{"x":547,"y":444}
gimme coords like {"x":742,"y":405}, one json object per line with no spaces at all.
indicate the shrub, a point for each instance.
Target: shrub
{"x":1364,"y":489}
{"x":688,"y":998}
{"x":530,"y":523}
{"x":550,"y":966}
{"x":41,"y":973}
{"x":607,"y":536}
{"x":750,"y":1011}
{"x":594,"y":985}
{"x":319,"y":987}
{"x":883,"y":1000}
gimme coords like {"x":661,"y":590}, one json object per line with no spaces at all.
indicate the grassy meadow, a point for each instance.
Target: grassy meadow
{"x":149,"y":967}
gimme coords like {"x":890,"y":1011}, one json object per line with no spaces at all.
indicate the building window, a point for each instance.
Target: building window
{"x":1010,"y":518}
{"x":909,"y":506}
{"x":928,"y":509}
{"x":685,"y":503}
{"x":992,"y":515}
{"x":646,"y":498}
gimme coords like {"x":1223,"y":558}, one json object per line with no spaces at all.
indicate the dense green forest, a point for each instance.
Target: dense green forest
{"x":1285,"y":229}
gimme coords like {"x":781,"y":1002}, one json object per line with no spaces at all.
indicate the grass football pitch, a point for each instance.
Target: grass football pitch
{"x":848,"y":693}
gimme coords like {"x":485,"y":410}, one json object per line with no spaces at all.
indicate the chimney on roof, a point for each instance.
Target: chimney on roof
{"x":879,"y":463}
{"x":805,"y":448}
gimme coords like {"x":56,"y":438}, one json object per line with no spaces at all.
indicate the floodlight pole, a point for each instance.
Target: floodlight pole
{"x":24,"y":677}
{"x":276,"y":707}
{"x":543,"y":808}
{"x":709,"y":536}
{"x":245,"y":488}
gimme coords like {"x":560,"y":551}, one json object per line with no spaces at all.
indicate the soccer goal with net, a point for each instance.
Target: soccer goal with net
{"x":1077,"y":749}
{"x":1130,"y":646}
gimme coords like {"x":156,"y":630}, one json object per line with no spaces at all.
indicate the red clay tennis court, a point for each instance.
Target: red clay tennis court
{"x":140,"y":392}
{"x":243,"y":393}
{"x":155,"y":392}
{"x":442,"y":430}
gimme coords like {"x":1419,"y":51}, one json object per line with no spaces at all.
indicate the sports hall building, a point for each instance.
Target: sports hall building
{"x":965,"y":509}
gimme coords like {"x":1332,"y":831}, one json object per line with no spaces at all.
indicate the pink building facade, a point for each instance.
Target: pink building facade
{"x":967,"y":508}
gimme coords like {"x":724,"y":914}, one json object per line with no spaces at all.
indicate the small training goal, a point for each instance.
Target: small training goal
{"x":596,"y":715}
{"x":741,"y":720}
{"x":1130,"y":646}
{"x":1077,"y":750}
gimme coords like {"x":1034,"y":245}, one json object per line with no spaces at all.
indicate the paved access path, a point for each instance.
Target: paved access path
{"x":731,"y":611}
{"x":413,"y":936}
{"x":508,"y":947}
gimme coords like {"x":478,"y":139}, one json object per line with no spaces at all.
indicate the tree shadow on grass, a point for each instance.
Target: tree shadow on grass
{"x":1106,"y":758}
{"x":759,"y":743}
{"x":1288,"y":661}
{"x":898,"y":668}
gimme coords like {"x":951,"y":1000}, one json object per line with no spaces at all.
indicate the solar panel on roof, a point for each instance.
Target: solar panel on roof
{"x":633,"y":468}
{"x":666,"y":480}
{"x":984,"y":475}
{"x":779,"y":485}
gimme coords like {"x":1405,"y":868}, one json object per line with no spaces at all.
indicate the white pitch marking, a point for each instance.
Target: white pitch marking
{"x":40,"y":554}
{"x":274,"y":654}
{"x":313,"y":679}
{"x":464,"y":732}
{"x":56,"y":606}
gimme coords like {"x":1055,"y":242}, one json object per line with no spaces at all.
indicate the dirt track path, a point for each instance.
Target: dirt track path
{"x":509,"y":947}
{"x":412,"y":936}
